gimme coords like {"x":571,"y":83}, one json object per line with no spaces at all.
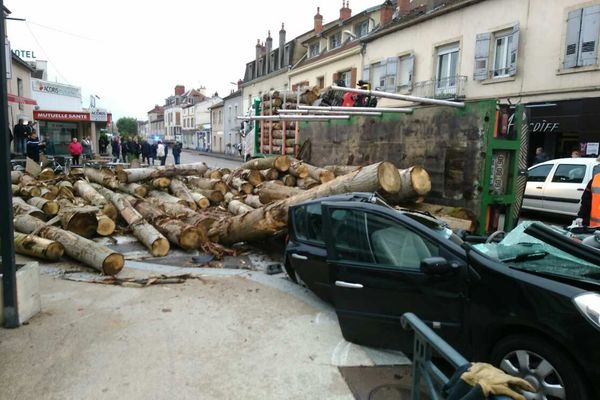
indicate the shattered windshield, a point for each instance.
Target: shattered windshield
{"x":522,"y":251}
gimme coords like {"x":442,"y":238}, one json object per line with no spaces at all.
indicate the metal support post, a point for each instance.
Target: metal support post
{"x":387,"y":95}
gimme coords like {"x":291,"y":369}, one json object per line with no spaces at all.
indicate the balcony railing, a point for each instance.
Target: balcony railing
{"x":446,"y":88}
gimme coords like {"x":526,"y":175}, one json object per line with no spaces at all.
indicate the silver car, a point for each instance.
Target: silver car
{"x":556,"y":186}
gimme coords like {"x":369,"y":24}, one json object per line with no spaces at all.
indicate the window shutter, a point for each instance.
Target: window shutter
{"x":411,"y":68}
{"x":391,"y":74}
{"x":590,"y":29}
{"x":482,"y":56}
{"x":514,"y":52}
{"x":335,"y":78}
{"x":572,"y":39}
{"x":353,"y":77}
{"x":365,"y":74}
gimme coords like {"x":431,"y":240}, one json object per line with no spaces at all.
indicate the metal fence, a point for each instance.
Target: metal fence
{"x":446,"y":88}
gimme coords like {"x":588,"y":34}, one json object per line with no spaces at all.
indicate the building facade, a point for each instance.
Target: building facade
{"x":217,"y":142}
{"x":232,"y":108}
{"x":202,"y":117}
{"x":20,"y":100}
{"x":156,"y":121}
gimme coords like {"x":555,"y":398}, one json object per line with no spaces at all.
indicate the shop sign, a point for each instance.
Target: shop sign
{"x":98,"y":115}
{"x":544,"y":127}
{"x":60,"y":116}
{"x":55,"y":88}
{"x":8,"y":60}
{"x":30,"y":54}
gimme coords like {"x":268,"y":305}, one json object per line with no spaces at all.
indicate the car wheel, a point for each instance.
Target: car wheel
{"x":540,"y":363}
{"x":290,"y":272}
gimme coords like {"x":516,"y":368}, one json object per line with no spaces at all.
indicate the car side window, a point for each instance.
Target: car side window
{"x":308,"y":224}
{"x":348,"y":232}
{"x":569,"y":173}
{"x":395,"y":245}
{"x":539,"y":174}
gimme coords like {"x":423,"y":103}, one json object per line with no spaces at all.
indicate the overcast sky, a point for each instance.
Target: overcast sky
{"x":132,"y":54}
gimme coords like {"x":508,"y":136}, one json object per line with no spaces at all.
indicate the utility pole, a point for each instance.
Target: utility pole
{"x":9,"y":269}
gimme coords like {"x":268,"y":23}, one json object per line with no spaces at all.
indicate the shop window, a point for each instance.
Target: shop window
{"x":581,"y":43}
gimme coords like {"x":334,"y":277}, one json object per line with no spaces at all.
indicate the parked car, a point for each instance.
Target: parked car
{"x":528,"y":304}
{"x":556,"y":186}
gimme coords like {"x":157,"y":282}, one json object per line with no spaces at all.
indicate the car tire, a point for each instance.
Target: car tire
{"x":290,"y":272}
{"x":522,"y":356}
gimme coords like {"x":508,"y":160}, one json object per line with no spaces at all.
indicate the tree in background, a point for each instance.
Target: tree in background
{"x":127,"y":126}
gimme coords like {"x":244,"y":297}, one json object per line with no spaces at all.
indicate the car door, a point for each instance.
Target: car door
{"x":374,"y":261}
{"x":564,"y":187}
{"x":534,"y":190}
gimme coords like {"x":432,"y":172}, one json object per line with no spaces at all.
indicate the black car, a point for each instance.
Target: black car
{"x":528,"y":304}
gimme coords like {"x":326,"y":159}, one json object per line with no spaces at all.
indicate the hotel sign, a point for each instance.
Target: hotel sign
{"x":55,"y":88}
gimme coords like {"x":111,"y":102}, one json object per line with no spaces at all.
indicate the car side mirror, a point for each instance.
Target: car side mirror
{"x":437,"y":266}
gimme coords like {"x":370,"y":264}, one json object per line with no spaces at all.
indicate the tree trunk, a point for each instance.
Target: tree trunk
{"x":102,"y":177}
{"x":272,"y":219}
{"x":208,"y":184}
{"x":29,"y":191}
{"x":341,"y":169}
{"x":49,"y":207}
{"x":79,"y":220}
{"x":160,"y":183}
{"x":27,"y":180}
{"x":38,"y":247}
{"x":236,"y":207}
{"x":142,"y":230}
{"x":15,"y":176}
{"x":319,"y":174}
{"x":178,"y":232}
{"x":65,"y":184}
{"x":81,"y":249}
{"x":165,"y":197}
{"x":242,"y":185}
{"x":280,"y":163}
{"x":21,"y":207}
{"x":270,"y":192}
{"x":213,"y":174}
{"x":47,"y":194}
{"x":415,"y":183}
{"x":168,"y":171}
{"x":270,"y":174}
{"x":106,"y":226}
{"x":254,"y":177}
{"x":201,"y":200}
{"x":298,"y":169}
{"x":15,"y":189}
{"x":278,"y":133}
{"x":46,"y":174}
{"x":225,"y":171}
{"x":307,"y":183}
{"x":288,"y":150}
{"x":288,"y":180}
{"x":134,"y":189}
{"x":179,"y":190}
{"x":201,"y":221}
{"x":253,"y":201}
{"x":84,"y":190}
{"x":214,"y":196}
{"x":288,"y":142}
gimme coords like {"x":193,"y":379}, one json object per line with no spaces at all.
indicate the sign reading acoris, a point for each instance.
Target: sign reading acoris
{"x":59,"y":89}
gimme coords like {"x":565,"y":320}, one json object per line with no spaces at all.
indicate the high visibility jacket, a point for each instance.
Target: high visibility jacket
{"x":595,"y":211}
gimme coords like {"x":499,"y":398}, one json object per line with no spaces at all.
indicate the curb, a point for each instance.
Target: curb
{"x":215,"y":155}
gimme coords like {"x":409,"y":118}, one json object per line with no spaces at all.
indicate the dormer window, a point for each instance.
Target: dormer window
{"x":335,"y":40}
{"x":314,"y":50}
{"x":361,"y":29}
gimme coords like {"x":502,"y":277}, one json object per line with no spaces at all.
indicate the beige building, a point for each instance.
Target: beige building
{"x":216,"y":126}
{"x":20,"y":101}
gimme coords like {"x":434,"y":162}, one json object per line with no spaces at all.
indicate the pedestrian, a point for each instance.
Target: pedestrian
{"x":33,"y":147}
{"x":49,"y":148}
{"x":21,"y":134}
{"x":589,"y":211}
{"x":103,"y":144}
{"x":177,"y":152}
{"x":75,"y":149}
{"x":540,"y":156}
{"x":153,"y":150}
{"x":575,"y":154}
{"x":124,"y":149}
{"x":146,"y":151}
{"x":133,"y":150}
{"x":86,"y":143}
{"x":115,"y":149}
{"x":161,"y":152}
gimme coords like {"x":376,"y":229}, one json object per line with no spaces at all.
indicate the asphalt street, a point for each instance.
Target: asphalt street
{"x":190,"y":156}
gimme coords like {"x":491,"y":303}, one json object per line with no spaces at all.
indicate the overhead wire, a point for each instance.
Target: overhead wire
{"x":45,"y":53}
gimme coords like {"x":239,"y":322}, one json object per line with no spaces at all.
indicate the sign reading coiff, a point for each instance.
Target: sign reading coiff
{"x":55,"y":88}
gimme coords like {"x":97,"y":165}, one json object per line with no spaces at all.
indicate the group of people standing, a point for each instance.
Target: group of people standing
{"x":130,"y":149}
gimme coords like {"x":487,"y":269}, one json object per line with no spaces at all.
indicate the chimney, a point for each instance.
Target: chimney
{"x":239,"y":84}
{"x":179,"y":90}
{"x":256,"y":63}
{"x":345,"y":11}
{"x":269,"y":45}
{"x":403,"y":7}
{"x":318,"y":21}
{"x":386,"y":12}
{"x":281,"y":46}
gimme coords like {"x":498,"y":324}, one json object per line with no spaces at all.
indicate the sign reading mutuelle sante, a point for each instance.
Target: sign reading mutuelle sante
{"x":55,"y":88}
{"x":61,"y":116}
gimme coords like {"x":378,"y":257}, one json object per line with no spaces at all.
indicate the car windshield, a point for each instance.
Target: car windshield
{"x":522,"y":251}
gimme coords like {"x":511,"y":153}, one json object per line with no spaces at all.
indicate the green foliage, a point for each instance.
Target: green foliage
{"x":127,"y":125}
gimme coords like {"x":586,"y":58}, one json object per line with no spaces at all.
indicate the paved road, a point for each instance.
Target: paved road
{"x":193,"y":156}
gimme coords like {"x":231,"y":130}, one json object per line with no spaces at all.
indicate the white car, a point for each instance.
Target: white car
{"x":556,"y":186}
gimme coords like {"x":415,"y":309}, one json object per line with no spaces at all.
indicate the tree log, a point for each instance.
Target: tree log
{"x":65,"y":184}
{"x":319,"y":174}
{"x":38,"y":247}
{"x":213,"y":174}
{"x":142,"y":230}
{"x":29,"y":191}
{"x":253,"y":201}
{"x":15,"y":189}
{"x":179,"y":190}
{"x":214,"y":196}
{"x":84,"y":190}
{"x":106,"y":226}
{"x":160,"y":183}
{"x":21,"y":207}
{"x":280,"y":163}
{"x":15,"y":176}
{"x":103,"y":177}
{"x":79,"y":220}
{"x":456,"y":217}
{"x":270,"y":192}
{"x":288,"y":142}
{"x":236,"y":207}
{"x":201,"y":200}
{"x":46,"y":174}
{"x":415,"y":183}
{"x":298,"y":169}
{"x":242,"y":185}
{"x":27,"y":180}
{"x":307,"y":183}
{"x":178,"y":232}
{"x":49,"y":207}
{"x":165,"y":197}
{"x":277,"y":133}
{"x":225,"y":171}
{"x":208,"y":184}
{"x":270,"y":174}
{"x":254,"y":177}
{"x":288,"y":150}
{"x":47,"y":194}
{"x":87,"y":251}
{"x":272,"y":219}
{"x":201,"y":221}
{"x":341,"y":169}
{"x":134,"y":189}
{"x":288,"y":180}
{"x":168,"y":171}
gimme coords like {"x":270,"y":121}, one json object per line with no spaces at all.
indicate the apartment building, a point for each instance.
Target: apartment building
{"x":217,"y":144}
{"x":232,"y":107}
{"x":156,"y":122}
{"x":20,"y":99}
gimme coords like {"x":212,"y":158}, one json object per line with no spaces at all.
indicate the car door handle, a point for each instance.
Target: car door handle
{"x":580,"y":189}
{"x":348,"y":285}
{"x":299,"y":256}
{"x":539,"y":187}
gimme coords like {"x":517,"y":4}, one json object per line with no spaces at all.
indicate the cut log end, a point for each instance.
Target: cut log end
{"x":51,"y":208}
{"x":122,"y":176}
{"x":203,"y":203}
{"x":190,"y":239}
{"x":113,"y":264}
{"x":83,"y":224}
{"x":282,"y":163}
{"x":160,"y":247}
{"x":55,"y":251}
{"x":106,"y":226}
{"x":421,"y":181}
{"x":388,"y":177}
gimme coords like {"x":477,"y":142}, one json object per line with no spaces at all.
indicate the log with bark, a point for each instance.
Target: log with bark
{"x":415,"y":183}
{"x":160,"y":183}
{"x":207,"y":184}
{"x":48,"y":194}
{"x":270,"y":174}
{"x":168,"y":171}
{"x":49,"y":207}
{"x":272,"y":219}
{"x":298,"y":169}
{"x":253,"y":201}
{"x":254,"y":177}
{"x":213,"y":174}
{"x":278,"y":134}
{"x":81,"y":249}
{"x":29,"y":191}
{"x":38,"y":247}
{"x":288,"y":150}
{"x":269,"y":192}
{"x":341,"y":169}
{"x":307,"y":183}
{"x":201,"y":221}
{"x":27,"y":180}
{"x":84,"y":190}
{"x":106,"y":226}
{"x":78,"y":219}
{"x":134,"y":189}
{"x":15,"y":189}
{"x":165,"y":197}
{"x":225,"y":171}
{"x":288,"y":180}
{"x":319,"y":174}
{"x":214,"y":196}
{"x":46,"y":174}
{"x":236,"y":207}
{"x":15,"y":176}
{"x":201,"y":200}
{"x":147,"y":234}
{"x":181,"y":191}
{"x":21,"y":207}
{"x":288,"y":142}
{"x":178,"y":232}
{"x":103,"y":177}
{"x":241,"y":185}
{"x":280,"y":163}
{"x":456,"y":217}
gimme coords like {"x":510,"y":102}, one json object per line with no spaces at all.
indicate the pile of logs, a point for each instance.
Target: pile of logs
{"x":189,"y":206}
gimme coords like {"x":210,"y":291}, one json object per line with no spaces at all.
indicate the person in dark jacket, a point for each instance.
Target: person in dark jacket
{"x":21,"y":133}
{"x":124,"y":149}
{"x":33,"y":147}
{"x":540,"y":156}
{"x":102,"y":144}
{"x":146,"y":151}
{"x":585,"y":210}
{"x":153,"y":149}
{"x":115,"y":149}
{"x":177,"y":152}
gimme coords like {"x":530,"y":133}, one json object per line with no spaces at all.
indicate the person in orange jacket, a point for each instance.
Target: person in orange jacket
{"x":589,"y":212}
